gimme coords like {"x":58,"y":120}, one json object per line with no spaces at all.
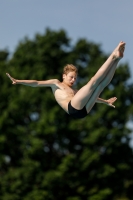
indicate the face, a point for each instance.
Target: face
{"x":69,"y":78}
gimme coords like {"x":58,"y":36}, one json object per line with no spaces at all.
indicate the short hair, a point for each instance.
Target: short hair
{"x":69,"y":68}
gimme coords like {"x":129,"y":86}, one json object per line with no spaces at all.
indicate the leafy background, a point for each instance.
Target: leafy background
{"x":44,"y":153}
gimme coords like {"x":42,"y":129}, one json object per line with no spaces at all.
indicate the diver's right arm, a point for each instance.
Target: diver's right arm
{"x":34,"y":83}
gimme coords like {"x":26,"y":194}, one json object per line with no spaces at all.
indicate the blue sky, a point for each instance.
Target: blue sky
{"x":105,"y":22}
{"x":101,"y":21}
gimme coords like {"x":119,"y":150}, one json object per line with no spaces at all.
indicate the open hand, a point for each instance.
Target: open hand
{"x":111,"y":101}
{"x":14,"y":81}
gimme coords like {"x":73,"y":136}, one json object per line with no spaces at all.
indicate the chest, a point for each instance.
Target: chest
{"x":64,"y":91}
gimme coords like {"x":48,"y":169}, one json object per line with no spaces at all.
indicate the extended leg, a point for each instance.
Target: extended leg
{"x":100,"y":88}
{"x":82,"y":96}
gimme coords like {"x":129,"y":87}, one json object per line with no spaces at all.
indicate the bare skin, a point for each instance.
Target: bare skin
{"x":88,"y":95}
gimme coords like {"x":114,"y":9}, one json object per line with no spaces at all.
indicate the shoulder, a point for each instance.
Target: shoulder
{"x":53,"y":82}
{"x":56,"y":84}
{"x":57,"y":81}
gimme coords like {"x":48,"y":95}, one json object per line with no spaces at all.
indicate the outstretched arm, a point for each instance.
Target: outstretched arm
{"x":108,"y":102}
{"x":34,"y":83}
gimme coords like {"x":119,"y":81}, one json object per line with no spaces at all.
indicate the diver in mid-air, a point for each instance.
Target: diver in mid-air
{"x":79,"y":103}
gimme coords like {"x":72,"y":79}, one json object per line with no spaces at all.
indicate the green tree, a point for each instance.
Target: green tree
{"x":44,"y":153}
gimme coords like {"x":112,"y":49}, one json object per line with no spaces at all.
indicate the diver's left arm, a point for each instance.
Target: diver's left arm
{"x":108,"y":102}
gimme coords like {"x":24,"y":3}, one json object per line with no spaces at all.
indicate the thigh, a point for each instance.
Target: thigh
{"x":82,"y":96}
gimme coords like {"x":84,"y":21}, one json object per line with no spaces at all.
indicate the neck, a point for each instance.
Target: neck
{"x":66,"y":84}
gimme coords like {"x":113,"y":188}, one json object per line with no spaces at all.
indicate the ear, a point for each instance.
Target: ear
{"x":64,"y":76}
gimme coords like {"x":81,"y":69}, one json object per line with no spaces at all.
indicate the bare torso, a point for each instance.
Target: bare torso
{"x":63,"y":94}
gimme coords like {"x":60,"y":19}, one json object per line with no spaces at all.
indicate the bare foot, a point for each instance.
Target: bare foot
{"x":118,"y":52}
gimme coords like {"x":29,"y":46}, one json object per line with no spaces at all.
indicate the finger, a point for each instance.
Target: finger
{"x":114,"y":99}
{"x":8,"y":75}
{"x":113,"y":106}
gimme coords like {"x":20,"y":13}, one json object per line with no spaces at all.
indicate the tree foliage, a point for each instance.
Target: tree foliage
{"x":44,"y":153}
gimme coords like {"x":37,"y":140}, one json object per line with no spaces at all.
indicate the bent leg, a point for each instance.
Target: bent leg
{"x":100,"y":88}
{"x":82,"y":96}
